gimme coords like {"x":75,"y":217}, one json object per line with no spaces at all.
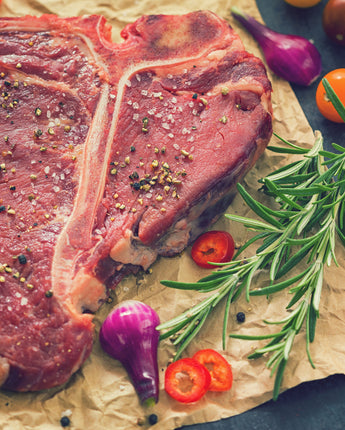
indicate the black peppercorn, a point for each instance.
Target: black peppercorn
{"x":153,"y":419}
{"x":65,"y":422}
{"x":22,"y":259}
{"x":240,"y":317}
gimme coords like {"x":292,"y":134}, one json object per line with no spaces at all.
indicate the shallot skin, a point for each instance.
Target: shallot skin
{"x":129,"y":335}
{"x":293,"y":58}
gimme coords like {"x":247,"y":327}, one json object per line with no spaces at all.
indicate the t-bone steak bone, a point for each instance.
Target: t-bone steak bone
{"x":110,"y":154}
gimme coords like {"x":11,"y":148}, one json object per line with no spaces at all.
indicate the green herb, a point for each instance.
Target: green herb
{"x":310,"y":195}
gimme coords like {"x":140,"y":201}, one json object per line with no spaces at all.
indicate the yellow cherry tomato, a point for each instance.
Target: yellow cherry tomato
{"x":303,"y":3}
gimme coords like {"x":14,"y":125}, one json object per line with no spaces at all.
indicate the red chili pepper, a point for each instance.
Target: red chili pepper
{"x":213,"y":246}
{"x":220,"y":370}
{"x":186,"y":380}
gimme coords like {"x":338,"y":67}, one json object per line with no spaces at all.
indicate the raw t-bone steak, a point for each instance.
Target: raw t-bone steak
{"x":110,"y":155}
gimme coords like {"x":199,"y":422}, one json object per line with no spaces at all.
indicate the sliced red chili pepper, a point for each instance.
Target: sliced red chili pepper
{"x":213,"y":246}
{"x":186,"y":380}
{"x":220,"y":370}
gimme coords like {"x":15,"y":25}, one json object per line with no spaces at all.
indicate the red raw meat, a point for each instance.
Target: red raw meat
{"x":110,"y":154}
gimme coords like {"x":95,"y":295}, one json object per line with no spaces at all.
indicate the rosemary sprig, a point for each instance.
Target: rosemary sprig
{"x":310,"y":194}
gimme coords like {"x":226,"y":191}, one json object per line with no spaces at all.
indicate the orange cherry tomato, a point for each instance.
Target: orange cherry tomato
{"x":336,"y":79}
{"x":303,"y":3}
{"x":213,"y":246}
{"x":186,"y":380}
{"x":219,"y":368}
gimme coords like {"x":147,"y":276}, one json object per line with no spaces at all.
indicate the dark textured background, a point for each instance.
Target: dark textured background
{"x":317,"y":405}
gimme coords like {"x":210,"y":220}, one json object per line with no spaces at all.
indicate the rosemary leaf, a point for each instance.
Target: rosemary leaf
{"x":226,"y":317}
{"x":341,"y":235}
{"x":277,"y":287}
{"x":274,"y":191}
{"x":251,"y":241}
{"x":264,"y":350}
{"x":296,"y":258}
{"x":268,"y":242}
{"x":258,"y":208}
{"x":251,"y":223}
{"x":188,"y":339}
{"x":309,"y":339}
{"x":255,"y":337}
{"x":300,"y":292}
{"x":288,"y":344}
{"x":318,"y":288}
{"x":285,"y":171}
{"x":175,"y":329}
{"x":338,"y":147}
{"x":311,"y":323}
{"x":279,"y":378}
{"x":297,"y":148}
{"x":199,"y":286}
{"x":280,"y":150}
{"x":185,"y":316}
{"x":339,"y":107}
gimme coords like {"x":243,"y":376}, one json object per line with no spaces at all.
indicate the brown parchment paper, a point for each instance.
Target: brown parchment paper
{"x":100,"y":396}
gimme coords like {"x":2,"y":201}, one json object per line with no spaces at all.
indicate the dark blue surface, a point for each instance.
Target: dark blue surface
{"x":316,"y":405}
